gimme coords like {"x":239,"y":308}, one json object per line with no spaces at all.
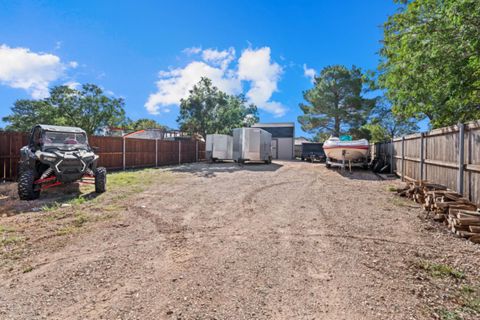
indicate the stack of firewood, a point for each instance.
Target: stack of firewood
{"x":460,"y":215}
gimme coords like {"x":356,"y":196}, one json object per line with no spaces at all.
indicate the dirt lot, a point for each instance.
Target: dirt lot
{"x":289,"y":240}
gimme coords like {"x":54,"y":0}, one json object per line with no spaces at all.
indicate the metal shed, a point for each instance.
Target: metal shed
{"x":283,"y":138}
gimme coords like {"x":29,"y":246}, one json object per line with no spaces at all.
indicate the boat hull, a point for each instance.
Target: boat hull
{"x":348,"y":150}
{"x":350,"y":153}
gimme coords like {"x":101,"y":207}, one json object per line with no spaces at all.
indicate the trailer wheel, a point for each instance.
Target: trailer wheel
{"x":328,"y":165}
{"x":26,"y":187}
{"x":100,"y":180}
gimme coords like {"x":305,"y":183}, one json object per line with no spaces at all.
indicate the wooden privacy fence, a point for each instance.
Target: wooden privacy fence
{"x":115,"y":152}
{"x":449,"y":156}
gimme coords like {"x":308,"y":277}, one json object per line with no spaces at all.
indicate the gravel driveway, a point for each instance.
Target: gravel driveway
{"x":289,"y":240}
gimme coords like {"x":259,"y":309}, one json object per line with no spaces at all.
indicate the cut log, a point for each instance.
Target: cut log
{"x":465,"y":234}
{"x":439,"y":217}
{"x":475,"y":239}
{"x":474,"y":229}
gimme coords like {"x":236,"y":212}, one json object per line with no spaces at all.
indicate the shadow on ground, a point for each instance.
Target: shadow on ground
{"x":357,"y":174}
{"x":10,"y":204}
{"x":209,"y":170}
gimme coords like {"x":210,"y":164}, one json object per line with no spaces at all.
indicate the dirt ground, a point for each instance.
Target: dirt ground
{"x":289,"y":240}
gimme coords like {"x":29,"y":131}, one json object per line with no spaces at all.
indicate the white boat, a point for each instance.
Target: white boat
{"x":339,"y":150}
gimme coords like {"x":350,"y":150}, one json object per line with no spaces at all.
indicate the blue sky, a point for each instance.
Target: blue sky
{"x":149,"y":52}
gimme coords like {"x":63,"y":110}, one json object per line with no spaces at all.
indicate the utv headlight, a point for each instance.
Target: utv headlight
{"x":49,"y":159}
{"x":87,"y":159}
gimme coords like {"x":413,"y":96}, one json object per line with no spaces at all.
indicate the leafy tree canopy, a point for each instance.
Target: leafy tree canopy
{"x":143,"y":124}
{"x":430,"y":60}
{"x":336,"y":102}
{"x":87,"y":108}
{"x":208,"y":110}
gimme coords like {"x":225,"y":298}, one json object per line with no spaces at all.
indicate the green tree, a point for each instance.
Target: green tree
{"x":209,"y":110}
{"x":144,"y":123}
{"x":430,"y":60}
{"x":336,"y":102}
{"x":27,"y":113}
{"x":385,"y":125}
{"x":87,"y":108}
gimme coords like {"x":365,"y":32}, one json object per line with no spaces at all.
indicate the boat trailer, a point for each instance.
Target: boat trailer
{"x":344,"y":163}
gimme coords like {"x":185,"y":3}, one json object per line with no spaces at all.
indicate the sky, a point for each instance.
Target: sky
{"x":152,"y":52}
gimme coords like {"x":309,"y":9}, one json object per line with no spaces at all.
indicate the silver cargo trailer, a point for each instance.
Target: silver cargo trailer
{"x":252,"y":144}
{"x":219,"y":147}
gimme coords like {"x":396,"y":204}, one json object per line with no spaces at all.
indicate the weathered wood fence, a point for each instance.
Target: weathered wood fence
{"x":115,"y":152}
{"x":448,"y":156}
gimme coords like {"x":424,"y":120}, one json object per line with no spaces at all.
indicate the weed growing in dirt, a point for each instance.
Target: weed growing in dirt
{"x":66,"y":230}
{"x":392,"y":188}
{"x":27,"y":269}
{"x":470,"y":297}
{"x":438,"y":270}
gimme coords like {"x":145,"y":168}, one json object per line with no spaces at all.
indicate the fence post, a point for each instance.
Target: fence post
{"x":179,"y":152}
{"x":196,"y":150}
{"x":461,"y":157}
{"x":391,"y":156}
{"x":403,"y":158}
{"x":156,"y":153}
{"x":123,"y":154}
{"x":422,"y":158}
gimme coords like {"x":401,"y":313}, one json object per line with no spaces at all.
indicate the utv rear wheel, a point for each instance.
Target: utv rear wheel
{"x":27,"y":190}
{"x":100,"y":180}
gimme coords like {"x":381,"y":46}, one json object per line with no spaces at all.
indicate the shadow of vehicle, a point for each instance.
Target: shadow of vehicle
{"x":10,"y":204}
{"x":357,"y":174}
{"x":209,"y":170}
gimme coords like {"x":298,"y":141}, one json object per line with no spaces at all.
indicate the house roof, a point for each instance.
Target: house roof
{"x":274,"y":124}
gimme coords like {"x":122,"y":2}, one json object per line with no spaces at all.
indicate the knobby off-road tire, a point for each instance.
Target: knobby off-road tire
{"x":100,"y":180}
{"x":26,"y":187}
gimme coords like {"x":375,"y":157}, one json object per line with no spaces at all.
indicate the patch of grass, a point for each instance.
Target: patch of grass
{"x":80,"y":219}
{"x":449,"y":315}
{"x":399,"y":202}
{"x":466,"y":289}
{"x":51,"y":206}
{"x":10,"y":240}
{"x":392,"y":188}
{"x":470,"y":297}
{"x":438,"y":270}
{"x":66,"y":230}
{"x":56,"y":216}
{"x":6,"y":229}
{"x":77,"y":201}
{"x":138,"y":179}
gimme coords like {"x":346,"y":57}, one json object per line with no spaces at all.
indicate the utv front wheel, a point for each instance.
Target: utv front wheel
{"x":27,"y":190}
{"x":100,"y":180}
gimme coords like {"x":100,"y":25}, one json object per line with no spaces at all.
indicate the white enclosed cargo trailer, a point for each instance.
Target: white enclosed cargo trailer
{"x":252,"y":144}
{"x":219,"y":147}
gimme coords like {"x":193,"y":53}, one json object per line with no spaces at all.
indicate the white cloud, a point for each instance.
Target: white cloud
{"x":254,"y":68}
{"x":309,"y":73}
{"x":73,"y":64}
{"x":192,"y":50}
{"x":20,"y":68}
{"x":72,"y":84}
{"x":176,"y":83}
{"x":219,"y":58}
